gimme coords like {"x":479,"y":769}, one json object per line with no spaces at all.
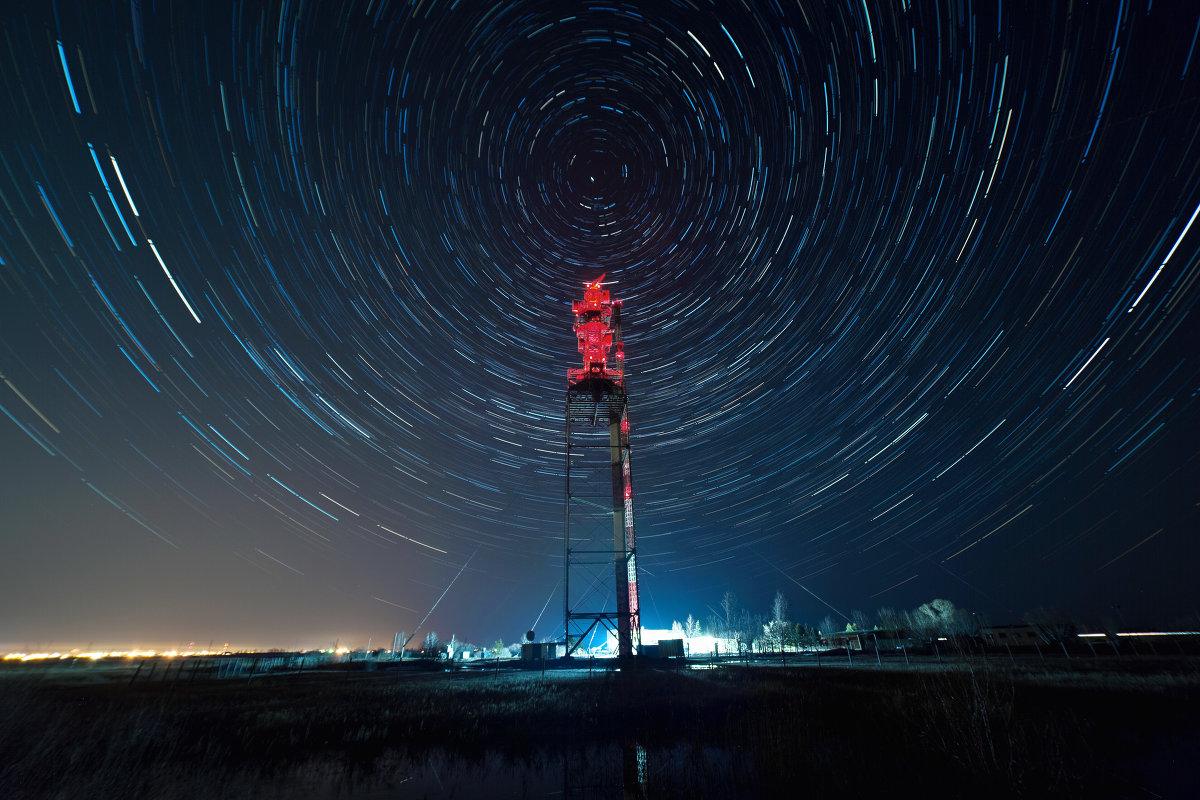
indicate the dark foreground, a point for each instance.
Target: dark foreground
{"x":1121,"y":729}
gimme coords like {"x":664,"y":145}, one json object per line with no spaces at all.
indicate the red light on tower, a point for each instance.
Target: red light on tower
{"x":596,"y":329}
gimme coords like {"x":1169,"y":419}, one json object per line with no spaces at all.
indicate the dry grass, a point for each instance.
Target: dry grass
{"x":969,"y":728}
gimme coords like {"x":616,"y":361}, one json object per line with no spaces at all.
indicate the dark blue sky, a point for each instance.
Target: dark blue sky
{"x":910,"y":308}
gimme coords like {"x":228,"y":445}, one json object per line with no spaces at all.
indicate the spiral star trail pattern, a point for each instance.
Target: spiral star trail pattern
{"x":910,"y":304}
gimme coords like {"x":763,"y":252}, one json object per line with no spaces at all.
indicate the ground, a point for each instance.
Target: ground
{"x":1102,"y":727}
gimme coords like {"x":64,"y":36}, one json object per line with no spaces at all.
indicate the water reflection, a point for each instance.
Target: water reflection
{"x":633,"y":756}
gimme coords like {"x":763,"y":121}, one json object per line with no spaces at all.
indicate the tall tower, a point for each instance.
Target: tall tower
{"x":599,"y":544}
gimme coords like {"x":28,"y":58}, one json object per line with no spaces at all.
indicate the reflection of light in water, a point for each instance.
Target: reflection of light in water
{"x":634,"y":757}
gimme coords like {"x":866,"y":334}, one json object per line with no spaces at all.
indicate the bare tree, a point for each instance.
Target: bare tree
{"x":716,"y":626}
{"x":925,"y":622}
{"x":779,"y":608}
{"x":691,"y":628}
{"x":940,"y":617}
{"x":730,"y":609}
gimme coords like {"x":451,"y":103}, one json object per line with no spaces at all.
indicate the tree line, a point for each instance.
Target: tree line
{"x":928,"y":623}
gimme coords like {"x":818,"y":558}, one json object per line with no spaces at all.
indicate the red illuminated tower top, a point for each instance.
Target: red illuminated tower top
{"x":598,"y":326}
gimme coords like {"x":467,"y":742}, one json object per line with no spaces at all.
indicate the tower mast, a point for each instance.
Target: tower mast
{"x":597,"y":429}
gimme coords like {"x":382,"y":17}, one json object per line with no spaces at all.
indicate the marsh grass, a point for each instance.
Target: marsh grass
{"x":970,"y":728}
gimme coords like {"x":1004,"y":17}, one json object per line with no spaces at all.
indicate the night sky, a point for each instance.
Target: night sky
{"x":910,"y":307}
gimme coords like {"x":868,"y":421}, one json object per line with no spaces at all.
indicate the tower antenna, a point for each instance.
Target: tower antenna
{"x":599,"y":494}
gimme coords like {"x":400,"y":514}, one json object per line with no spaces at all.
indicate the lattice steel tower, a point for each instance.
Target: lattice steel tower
{"x":599,"y":541}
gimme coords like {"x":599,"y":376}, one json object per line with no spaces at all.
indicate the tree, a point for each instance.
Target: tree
{"x":745,"y":630}
{"x":730,"y":610}
{"x":769,"y":639}
{"x":940,"y":617}
{"x":716,"y":626}
{"x":779,"y":608}
{"x":774,"y":631}
{"x":809,"y":638}
{"x":432,"y":643}
{"x":813,"y":636}
{"x":691,"y":628}
{"x":828,"y":626}
{"x":803,"y":637}
{"x":498,"y":648}
{"x":792,"y":635}
{"x":777,"y":635}
{"x":677,"y":627}
{"x":924,"y":623}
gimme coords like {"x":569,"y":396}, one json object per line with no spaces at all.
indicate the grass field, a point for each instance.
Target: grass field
{"x":1097,"y":729}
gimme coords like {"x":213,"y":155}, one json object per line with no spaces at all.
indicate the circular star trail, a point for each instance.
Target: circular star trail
{"x":910,"y":304}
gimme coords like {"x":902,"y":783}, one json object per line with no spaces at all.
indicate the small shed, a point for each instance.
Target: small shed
{"x":670,"y":648}
{"x":539,"y":651}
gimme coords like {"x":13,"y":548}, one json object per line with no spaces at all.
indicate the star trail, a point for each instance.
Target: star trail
{"x":910,"y":307}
